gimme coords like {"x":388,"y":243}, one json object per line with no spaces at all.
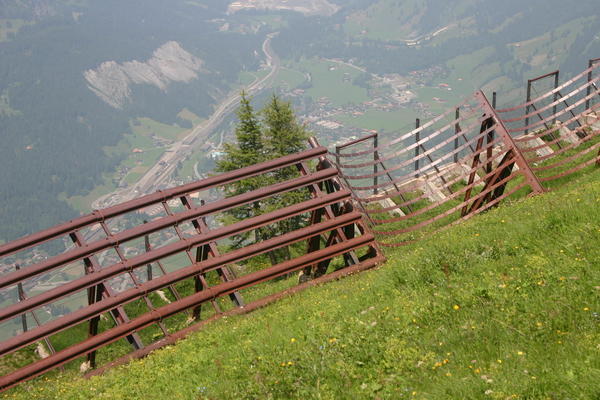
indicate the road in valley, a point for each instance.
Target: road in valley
{"x":161,"y":172}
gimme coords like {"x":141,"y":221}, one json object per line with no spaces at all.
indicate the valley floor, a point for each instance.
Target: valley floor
{"x":505,"y":306}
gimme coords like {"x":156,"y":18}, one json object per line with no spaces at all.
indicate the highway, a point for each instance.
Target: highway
{"x":162,"y":171}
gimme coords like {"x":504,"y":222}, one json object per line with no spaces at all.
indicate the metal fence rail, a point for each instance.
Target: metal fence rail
{"x":558,"y":130}
{"x":472,"y":157}
{"x":452,"y":167}
{"x":153,"y":276}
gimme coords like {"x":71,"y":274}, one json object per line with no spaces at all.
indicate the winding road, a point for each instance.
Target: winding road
{"x":161,"y":172}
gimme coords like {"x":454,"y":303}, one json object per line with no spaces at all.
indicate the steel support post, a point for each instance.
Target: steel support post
{"x":528,"y":107}
{"x":21,"y":297}
{"x":418,"y":148}
{"x":556,"y":79}
{"x":375,"y":159}
{"x":456,"y":132}
{"x":524,"y":167}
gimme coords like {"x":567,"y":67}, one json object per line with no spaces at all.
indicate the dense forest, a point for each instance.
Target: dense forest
{"x":494,"y":25}
{"x":54,"y":128}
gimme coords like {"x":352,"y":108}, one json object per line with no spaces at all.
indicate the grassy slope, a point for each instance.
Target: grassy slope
{"x":503,"y":306}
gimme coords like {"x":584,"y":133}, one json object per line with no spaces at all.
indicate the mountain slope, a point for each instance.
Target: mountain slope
{"x":503,"y":306}
{"x":59,"y":138}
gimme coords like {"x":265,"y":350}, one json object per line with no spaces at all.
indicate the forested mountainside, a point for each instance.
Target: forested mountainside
{"x":399,"y":36}
{"x":77,"y":76}
{"x":55,"y":130}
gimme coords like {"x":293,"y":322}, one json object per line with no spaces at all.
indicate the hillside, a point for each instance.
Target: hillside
{"x":89,"y":83}
{"x":504,"y":306}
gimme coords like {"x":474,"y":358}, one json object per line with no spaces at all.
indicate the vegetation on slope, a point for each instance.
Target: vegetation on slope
{"x":505,"y":306}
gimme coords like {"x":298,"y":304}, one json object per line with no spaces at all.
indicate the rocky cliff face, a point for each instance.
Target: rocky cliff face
{"x":112,"y":81}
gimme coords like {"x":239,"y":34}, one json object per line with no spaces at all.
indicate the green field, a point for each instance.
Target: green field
{"x":150,"y":127}
{"x":10,"y":27}
{"x":140,"y":137}
{"x":289,"y":79}
{"x":5,"y":108}
{"x":332,"y":81}
{"x":388,"y":121}
{"x":504,"y":306}
{"x":385,"y":20}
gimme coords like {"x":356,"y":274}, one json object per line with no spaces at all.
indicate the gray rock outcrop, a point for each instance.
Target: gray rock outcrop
{"x":112,"y":81}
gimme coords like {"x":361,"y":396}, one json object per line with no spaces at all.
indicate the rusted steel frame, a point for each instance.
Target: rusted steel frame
{"x":444,"y":214}
{"x":208,"y":265}
{"x":549,"y":93}
{"x":147,"y":248}
{"x":395,"y":185}
{"x":329,"y":210}
{"x":199,"y":280}
{"x":314,"y":242}
{"x":548,"y":127}
{"x":337,"y":183}
{"x":169,"y":310}
{"x":572,"y":170}
{"x":357,"y":141}
{"x":490,"y":151}
{"x":561,"y":151}
{"x":468,"y":157}
{"x":171,"y":249}
{"x":466,"y":217}
{"x":424,"y":196}
{"x":165,"y":222}
{"x":132,"y":276}
{"x":22,"y":296}
{"x":473,"y":174}
{"x":164,"y":195}
{"x":417,"y":148}
{"x":440,"y":202}
{"x":539,"y":78}
{"x":427,"y":153}
{"x":201,"y":227}
{"x":589,"y":78}
{"x":411,"y":134}
{"x":435,"y":167}
{"x":499,"y":174}
{"x":163,"y":271}
{"x":390,"y":156}
{"x":571,"y":111}
{"x":339,"y":178}
{"x":102,"y":290}
{"x":541,"y":134}
{"x":250,"y":307}
{"x":563,"y":111}
{"x":530,"y":86}
{"x":376,"y":160}
{"x":553,"y":104}
{"x":410,"y":175}
{"x":457,"y":131}
{"x":94,"y":295}
{"x":524,"y":167}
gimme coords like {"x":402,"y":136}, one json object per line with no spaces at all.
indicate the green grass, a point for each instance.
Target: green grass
{"x":385,"y":20}
{"x":332,"y":81}
{"x":11,"y":26}
{"x":389,"y":121}
{"x":503,"y":306}
{"x":5,"y":108}
{"x":149,"y":127}
{"x":289,"y":79}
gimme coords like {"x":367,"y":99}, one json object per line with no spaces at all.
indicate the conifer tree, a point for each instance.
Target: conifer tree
{"x":276,"y":134}
{"x":248,"y":150}
{"x":283,"y":135}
